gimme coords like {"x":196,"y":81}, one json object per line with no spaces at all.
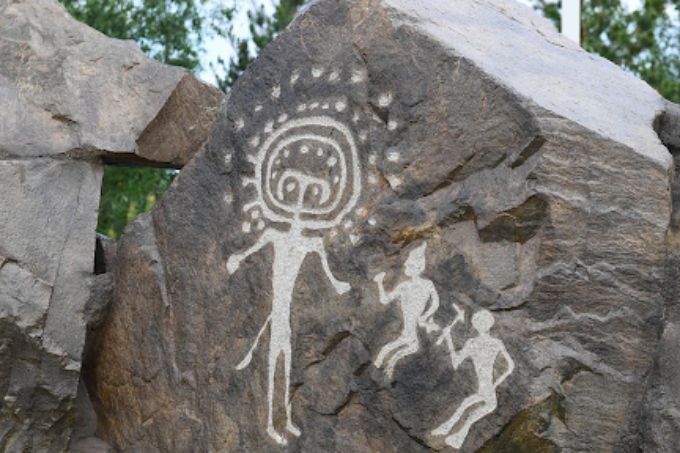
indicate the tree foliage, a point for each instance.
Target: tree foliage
{"x":170,"y":31}
{"x":127,"y":192}
{"x":645,"y":41}
{"x":263,"y":29}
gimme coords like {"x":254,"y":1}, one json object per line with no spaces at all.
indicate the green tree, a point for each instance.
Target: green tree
{"x":127,"y":192}
{"x":170,"y":31}
{"x":111,"y":17}
{"x":645,"y":42}
{"x":262,"y":30}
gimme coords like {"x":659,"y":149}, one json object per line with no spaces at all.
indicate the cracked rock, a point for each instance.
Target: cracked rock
{"x":414,"y":228}
{"x":72,"y":99}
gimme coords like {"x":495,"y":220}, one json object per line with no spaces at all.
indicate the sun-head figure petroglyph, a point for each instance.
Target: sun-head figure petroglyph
{"x":483,"y":350}
{"x":306,"y":181}
{"x":419,"y":301}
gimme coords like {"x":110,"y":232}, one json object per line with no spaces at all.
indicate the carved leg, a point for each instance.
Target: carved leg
{"x":290,"y":426}
{"x":446,"y":427}
{"x":273,"y":356}
{"x":456,"y":440}
{"x":392,"y":363}
{"x":388,"y":349}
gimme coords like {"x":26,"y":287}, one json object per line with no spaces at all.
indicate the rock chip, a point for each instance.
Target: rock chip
{"x":414,"y":228}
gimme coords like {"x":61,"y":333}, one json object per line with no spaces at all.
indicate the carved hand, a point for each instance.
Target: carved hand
{"x":233,"y":263}
{"x":342,"y":287}
{"x":431,"y":326}
{"x":460,"y":313}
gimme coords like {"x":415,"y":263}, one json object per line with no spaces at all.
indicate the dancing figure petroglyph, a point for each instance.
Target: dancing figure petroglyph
{"x":414,"y":295}
{"x":288,"y":193}
{"x":484,"y":351}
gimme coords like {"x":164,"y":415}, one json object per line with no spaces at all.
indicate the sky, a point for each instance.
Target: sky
{"x":220,"y":47}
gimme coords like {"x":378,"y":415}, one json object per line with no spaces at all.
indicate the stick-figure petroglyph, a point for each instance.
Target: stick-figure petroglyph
{"x":484,"y":351}
{"x":290,"y":250}
{"x":414,"y":295}
{"x":307,"y":176}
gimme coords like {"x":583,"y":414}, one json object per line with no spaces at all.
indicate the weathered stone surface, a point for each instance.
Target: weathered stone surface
{"x":68,"y":89}
{"x":71,"y":100}
{"x":49,"y":213}
{"x":661,"y":422}
{"x":504,"y":189}
{"x":83,"y":437}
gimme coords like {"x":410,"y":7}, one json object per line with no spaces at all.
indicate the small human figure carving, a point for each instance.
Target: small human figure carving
{"x":483,"y":350}
{"x":414,"y":295}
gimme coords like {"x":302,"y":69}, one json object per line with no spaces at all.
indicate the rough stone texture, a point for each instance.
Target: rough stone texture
{"x":83,"y":437}
{"x":68,"y":89}
{"x":529,"y":168}
{"x":71,"y":98}
{"x":49,"y":212}
{"x":662,"y":424}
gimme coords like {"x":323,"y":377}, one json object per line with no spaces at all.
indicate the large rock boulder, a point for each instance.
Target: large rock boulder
{"x":71,"y":98}
{"x":414,"y":228}
{"x":71,"y":91}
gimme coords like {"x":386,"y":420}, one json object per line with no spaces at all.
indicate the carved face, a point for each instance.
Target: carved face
{"x":482,"y":321}
{"x":308,"y":171}
{"x":415,"y":264}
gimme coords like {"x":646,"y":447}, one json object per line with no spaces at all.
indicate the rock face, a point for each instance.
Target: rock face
{"x":414,"y":228}
{"x":72,"y":91}
{"x":662,"y":426}
{"x":71,"y":99}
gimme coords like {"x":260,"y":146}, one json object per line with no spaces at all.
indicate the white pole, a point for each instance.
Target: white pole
{"x":571,"y":20}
